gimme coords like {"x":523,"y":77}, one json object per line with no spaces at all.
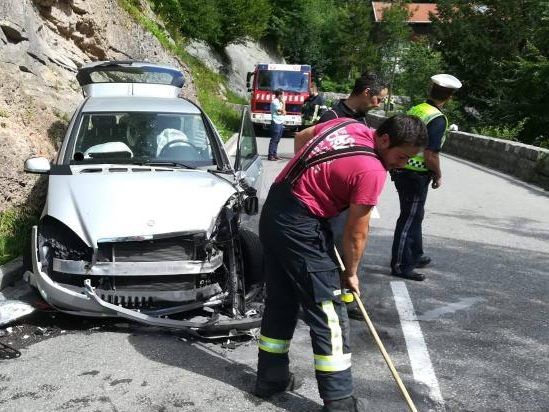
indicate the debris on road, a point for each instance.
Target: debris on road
{"x":8,"y":352}
{"x":11,"y":310}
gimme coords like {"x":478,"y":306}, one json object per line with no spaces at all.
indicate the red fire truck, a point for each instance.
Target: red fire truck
{"x":293,"y":79}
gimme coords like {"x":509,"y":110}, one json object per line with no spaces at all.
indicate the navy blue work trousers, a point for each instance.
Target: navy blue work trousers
{"x":277,"y":129}
{"x":301,"y":271}
{"x":407,"y":247}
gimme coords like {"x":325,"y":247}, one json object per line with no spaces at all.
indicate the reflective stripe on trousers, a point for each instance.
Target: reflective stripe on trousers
{"x":273,"y":345}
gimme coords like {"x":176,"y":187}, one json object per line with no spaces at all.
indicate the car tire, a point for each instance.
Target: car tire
{"x":252,"y":257}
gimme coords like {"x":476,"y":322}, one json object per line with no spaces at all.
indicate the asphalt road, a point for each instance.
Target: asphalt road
{"x":472,"y":337}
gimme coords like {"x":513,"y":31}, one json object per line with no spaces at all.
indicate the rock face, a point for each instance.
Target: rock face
{"x":238,"y":59}
{"x":42,"y":44}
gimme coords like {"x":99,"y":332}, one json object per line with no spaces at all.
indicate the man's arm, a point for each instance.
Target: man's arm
{"x":302,"y":137}
{"x":435,"y":130}
{"x":432,"y":161}
{"x":355,"y":239}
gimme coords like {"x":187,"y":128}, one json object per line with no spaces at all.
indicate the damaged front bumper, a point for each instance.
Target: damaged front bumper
{"x":89,"y":301}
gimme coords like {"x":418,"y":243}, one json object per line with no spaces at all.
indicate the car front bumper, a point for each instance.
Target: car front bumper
{"x":87,"y":301}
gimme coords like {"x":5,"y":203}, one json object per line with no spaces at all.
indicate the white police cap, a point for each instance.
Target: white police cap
{"x":446,"y":80}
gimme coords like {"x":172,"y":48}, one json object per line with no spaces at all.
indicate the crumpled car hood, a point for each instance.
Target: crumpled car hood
{"x":110,"y":205}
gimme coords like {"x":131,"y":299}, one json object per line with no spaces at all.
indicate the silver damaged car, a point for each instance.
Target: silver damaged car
{"x":144,"y":206}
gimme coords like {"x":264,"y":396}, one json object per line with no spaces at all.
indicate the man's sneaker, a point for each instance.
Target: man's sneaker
{"x":265,"y":389}
{"x":350,"y":404}
{"x":423,"y":261}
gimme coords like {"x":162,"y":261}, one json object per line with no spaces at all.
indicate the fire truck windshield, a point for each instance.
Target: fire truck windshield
{"x":289,"y":81}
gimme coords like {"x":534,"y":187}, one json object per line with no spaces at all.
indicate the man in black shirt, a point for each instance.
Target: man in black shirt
{"x":313,"y":107}
{"x":368,"y":93}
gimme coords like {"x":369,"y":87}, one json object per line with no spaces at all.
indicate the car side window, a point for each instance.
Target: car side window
{"x":248,"y":145}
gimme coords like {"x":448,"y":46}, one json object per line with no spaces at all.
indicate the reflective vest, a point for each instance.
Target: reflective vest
{"x":426,"y":113}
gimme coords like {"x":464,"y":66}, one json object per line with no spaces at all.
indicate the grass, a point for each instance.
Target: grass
{"x":225,"y":117}
{"x":15,"y":227}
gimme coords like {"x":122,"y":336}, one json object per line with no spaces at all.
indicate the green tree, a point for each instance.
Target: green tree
{"x":395,"y":36}
{"x":418,"y":63}
{"x":499,"y":50}
{"x":240,"y":19}
{"x":355,"y":48}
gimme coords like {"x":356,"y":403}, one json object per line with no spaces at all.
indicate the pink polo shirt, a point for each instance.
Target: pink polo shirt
{"x":330,"y":187}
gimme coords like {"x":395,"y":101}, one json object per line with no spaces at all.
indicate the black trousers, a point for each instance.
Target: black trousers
{"x":407,"y":247}
{"x":301,"y":271}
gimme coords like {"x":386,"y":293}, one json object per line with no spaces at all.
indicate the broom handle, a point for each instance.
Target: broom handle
{"x":380,"y":346}
{"x":388,"y":360}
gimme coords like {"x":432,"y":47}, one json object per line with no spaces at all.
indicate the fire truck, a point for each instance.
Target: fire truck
{"x":293,"y":79}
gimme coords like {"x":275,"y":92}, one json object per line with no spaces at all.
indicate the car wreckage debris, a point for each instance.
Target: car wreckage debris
{"x":8,"y":352}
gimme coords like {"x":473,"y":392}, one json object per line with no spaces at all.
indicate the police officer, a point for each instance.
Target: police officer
{"x":369,"y":91}
{"x":412,"y":182}
{"x":339,"y":164}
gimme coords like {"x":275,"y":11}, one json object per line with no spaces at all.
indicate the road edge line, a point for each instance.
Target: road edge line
{"x":420,"y":361}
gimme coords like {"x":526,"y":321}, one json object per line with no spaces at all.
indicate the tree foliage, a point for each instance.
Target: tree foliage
{"x":218,"y":22}
{"x":417,"y":64}
{"x":331,"y":35}
{"x":499,"y":50}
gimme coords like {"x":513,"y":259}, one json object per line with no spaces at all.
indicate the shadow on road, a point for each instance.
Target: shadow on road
{"x":209,"y":361}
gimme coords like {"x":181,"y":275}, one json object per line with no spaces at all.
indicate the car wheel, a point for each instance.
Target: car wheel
{"x":252,"y":257}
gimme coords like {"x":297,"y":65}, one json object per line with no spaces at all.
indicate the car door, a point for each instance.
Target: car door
{"x":247,"y":157}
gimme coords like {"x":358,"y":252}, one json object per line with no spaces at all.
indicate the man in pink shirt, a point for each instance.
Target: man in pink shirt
{"x":339,"y":164}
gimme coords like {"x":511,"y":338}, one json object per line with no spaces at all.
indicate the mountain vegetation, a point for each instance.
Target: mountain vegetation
{"x":498,"y":48}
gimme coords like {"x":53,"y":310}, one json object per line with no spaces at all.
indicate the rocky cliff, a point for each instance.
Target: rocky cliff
{"x":42,"y":44}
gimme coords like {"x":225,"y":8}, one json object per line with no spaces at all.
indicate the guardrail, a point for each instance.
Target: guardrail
{"x":526,"y":162}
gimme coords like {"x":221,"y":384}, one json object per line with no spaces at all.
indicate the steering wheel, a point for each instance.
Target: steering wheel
{"x":178,"y":141}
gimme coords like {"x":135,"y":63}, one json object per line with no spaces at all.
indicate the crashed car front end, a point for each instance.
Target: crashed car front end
{"x":150,"y":278}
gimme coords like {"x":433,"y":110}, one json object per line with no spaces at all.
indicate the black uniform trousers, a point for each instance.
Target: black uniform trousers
{"x":407,"y":247}
{"x":301,"y":270}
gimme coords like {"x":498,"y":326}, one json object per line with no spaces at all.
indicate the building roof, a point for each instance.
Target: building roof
{"x":419,"y":11}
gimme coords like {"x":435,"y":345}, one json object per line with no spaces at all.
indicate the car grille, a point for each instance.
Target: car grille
{"x":188,"y":247}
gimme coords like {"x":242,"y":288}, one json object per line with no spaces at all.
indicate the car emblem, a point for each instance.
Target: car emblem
{"x":150,"y":223}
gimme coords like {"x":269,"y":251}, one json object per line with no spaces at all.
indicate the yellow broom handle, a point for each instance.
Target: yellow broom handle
{"x":380,"y":346}
{"x":388,"y":360}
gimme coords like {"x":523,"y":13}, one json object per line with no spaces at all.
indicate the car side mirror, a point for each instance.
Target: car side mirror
{"x":37,"y":165}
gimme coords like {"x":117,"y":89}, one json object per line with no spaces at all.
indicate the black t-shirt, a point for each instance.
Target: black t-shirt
{"x":310,"y":103}
{"x":340,"y":109}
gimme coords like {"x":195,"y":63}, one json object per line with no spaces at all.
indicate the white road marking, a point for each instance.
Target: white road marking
{"x":417,"y":350}
{"x":450,"y":308}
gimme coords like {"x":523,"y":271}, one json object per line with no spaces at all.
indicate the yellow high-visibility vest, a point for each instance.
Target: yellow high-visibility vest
{"x":426,"y":113}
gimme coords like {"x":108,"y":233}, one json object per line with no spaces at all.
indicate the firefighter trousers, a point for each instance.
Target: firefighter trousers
{"x":301,"y":271}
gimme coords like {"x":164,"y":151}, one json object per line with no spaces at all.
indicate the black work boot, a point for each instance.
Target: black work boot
{"x":265,"y":389}
{"x":350,"y":404}
{"x":423,"y":261}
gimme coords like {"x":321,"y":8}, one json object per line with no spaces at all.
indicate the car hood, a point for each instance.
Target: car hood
{"x":107,"y":205}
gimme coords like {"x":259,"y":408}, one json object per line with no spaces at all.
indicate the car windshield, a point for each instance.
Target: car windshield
{"x":122,"y":138}
{"x":291,"y":81}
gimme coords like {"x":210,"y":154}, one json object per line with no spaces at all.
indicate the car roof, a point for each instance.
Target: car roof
{"x":139,"y":104}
